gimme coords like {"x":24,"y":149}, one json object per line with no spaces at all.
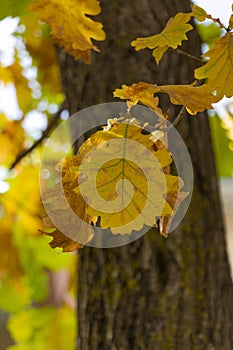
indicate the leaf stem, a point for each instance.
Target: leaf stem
{"x":181,"y":52}
{"x":217,"y":20}
{"x":181,"y":114}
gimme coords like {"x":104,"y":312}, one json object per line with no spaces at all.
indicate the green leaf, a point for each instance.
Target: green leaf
{"x":209,"y":33}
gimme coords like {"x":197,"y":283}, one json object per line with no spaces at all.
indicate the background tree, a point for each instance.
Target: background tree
{"x":153,"y":293}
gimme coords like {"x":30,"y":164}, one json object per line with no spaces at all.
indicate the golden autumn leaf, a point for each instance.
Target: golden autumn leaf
{"x":130,"y":182}
{"x":199,"y":13}
{"x":71,"y":27}
{"x":60,"y":214}
{"x":124,"y":210}
{"x":195,"y":99}
{"x":121,"y":176}
{"x":62,"y":241}
{"x":174,"y":200}
{"x":143,"y":92}
{"x":219,"y":68}
{"x":172,"y":36}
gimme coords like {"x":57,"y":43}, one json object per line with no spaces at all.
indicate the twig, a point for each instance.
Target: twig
{"x":181,"y":52}
{"x":217,"y":20}
{"x":181,"y":114}
{"x":50,"y":126}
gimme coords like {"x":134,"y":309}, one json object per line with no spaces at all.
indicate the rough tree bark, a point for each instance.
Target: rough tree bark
{"x":155,"y":293}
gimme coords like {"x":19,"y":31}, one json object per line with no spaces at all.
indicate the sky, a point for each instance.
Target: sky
{"x":217,"y":8}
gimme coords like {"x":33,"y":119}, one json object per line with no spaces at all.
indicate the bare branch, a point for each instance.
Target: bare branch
{"x":50,"y":126}
{"x":181,"y":114}
{"x":181,"y":52}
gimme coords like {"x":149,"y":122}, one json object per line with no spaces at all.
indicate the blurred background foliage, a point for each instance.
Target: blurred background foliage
{"x":30,"y":93}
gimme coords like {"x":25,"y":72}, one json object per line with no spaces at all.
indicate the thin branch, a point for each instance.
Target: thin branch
{"x":50,"y":126}
{"x":181,"y":52}
{"x":217,"y":20}
{"x":181,"y":114}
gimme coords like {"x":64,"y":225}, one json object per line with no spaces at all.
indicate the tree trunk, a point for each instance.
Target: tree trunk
{"x":155,"y":293}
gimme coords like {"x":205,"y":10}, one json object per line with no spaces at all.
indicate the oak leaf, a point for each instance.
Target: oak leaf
{"x":219,"y":68}
{"x":121,"y":176}
{"x":195,"y":99}
{"x":70,"y":25}
{"x":172,"y":36}
{"x":141,"y":92}
{"x":131,"y":188}
{"x":58,"y":199}
{"x":61,"y":241}
{"x":199,"y":13}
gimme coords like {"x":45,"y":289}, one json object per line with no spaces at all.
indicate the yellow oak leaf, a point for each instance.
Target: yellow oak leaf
{"x":219,"y":68}
{"x":140,"y":92}
{"x":199,"y":13}
{"x":62,"y":241}
{"x":158,"y":52}
{"x":120,"y":179}
{"x":195,"y":99}
{"x":70,"y":24}
{"x":172,"y":36}
{"x":59,"y":199}
{"x":174,"y":200}
{"x":134,"y":92}
{"x":126,"y":169}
